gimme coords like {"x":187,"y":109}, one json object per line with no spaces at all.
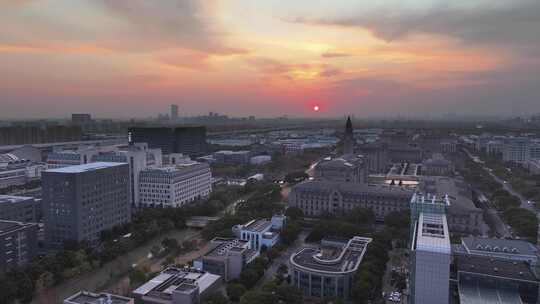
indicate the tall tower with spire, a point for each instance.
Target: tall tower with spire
{"x":348,"y":141}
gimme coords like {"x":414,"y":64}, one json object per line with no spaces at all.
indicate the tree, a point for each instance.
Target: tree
{"x":289,"y":294}
{"x":170,"y":244}
{"x":281,"y":272}
{"x":361,"y":216}
{"x":235,"y":291}
{"x":258,"y":297}
{"x":155,"y":250}
{"x":290,"y":232}
{"x":216,"y":298}
{"x":294,"y":213}
{"x":249,"y":277}
{"x":137,"y":276}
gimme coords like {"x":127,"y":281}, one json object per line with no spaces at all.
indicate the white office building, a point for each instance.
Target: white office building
{"x":262,"y":232}
{"x":516,"y":149}
{"x":139,"y":157}
{"x":430,"y":252}
{"x":174,"y":186}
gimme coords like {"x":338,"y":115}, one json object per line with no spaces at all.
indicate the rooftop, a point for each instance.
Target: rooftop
{"x":458,"y":192}
{"x":502,"y":268}
{"x":478,"y":292}
{"x":343,"y":258}
{"x":257,"y":225}
{"x":9,"y":226}
{"x":4,"y":199}
{"x":432,"y":233}
{"x":353,"y":188}
{"x":85,"y":168}
{"x":492,"y":245}
{"x":226,"y":245}
{"x":176,"y":279}
{"x":85,"y":297}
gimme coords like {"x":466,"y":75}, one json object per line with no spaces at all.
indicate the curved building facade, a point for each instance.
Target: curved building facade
{"x":328,"y":271}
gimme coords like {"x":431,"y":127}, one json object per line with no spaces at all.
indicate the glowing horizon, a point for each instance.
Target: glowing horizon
{"x":132,"y":58}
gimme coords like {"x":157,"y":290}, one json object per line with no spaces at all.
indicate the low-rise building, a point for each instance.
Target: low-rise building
{"x":232,"y":157}
{"x":86,"y":297}
{"x":262,"y":232}
{"x":18,"y":243}
{"x":174,"y":186}
{"x":327,"y":271}
{"x":19,"y":172}
{"x":437,"y":165}
{"x":515,"y":250}
{"x":178,"y":286}
{"x":348,"y":168}
{"x":19,"y":208}
{"x":463,"y":215}
{"x":316,"y":198}
{"x":260,"y":159}
{"x":226,"y":258}
{"x":482,"y":279}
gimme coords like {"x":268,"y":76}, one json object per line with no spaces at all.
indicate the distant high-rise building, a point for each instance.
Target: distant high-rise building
{"x":348,"y":140}
{"x":82,"y":201}
{"x":81,"y":119}
{"x":174,"y":112}
{"x":188,"y":140}
{"x":19,"y":135}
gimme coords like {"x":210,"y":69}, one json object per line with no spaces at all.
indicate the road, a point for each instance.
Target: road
{"x":283,"y":259}
{"x":112,"y":272}
{"x":501,"y":229}
{"x":505,"y":185}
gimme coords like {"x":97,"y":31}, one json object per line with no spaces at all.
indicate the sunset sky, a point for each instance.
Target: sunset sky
{"x":132,"y":58}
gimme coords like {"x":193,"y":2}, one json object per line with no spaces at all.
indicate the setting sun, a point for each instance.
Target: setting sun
{"x":316,"y":108}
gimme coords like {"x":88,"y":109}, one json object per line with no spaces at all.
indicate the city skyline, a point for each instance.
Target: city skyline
{"x":132,"y":58}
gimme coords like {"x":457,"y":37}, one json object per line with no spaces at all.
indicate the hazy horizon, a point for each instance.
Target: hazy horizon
{"x":133,"y":58}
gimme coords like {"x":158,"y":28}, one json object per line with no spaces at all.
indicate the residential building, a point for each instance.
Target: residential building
{"x":174,"y":186}
{"x":232,"y":157}
{"x":19,"y":208}
{"x":430,"y":251}
{"x":188,"y":140}
{"x":178,"y":286}
{"x":327,"y":271}
{"x":85,"y":297}
{"x":82,"y":201}
{"x":18,"y":243}
{"x":259,"y":233}
{"x":316,"y":198}
{"x":226,"y":258}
